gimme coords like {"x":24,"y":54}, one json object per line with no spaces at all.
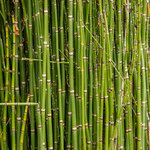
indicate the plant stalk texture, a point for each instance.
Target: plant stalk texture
{"x":74,"y":74}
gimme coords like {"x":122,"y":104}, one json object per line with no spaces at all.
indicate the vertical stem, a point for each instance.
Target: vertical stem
{"x":13,"y":86}
{"x":80,"y":5}
{"x":23,"y":125}
{"x":71,"y":74}
{"x":6,"y":89}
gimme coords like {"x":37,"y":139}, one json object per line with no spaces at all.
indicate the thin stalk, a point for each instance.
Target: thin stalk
{"x":61,"y":26}
{"x":13,"y":86}
{"x":71,"y":75}
{"x":23,"y":125}
{"x":1,"y":95}
{"x":49,"y":98}
{"x":90,"y":75}
{"x":18,"y":126}
{"x":6,"y":89}
{"x":80,"y":5}
{"x":45,"y":49}
{"x":127,"y":94}
{"x":138,"y":84}
{"x":143,"y":73}
{"x":120,"y":133}
{"x":61,"y":121}
{"x":49,"y":107}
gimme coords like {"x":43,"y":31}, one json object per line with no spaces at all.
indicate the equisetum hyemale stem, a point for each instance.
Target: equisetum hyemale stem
{"x":74,"y":74}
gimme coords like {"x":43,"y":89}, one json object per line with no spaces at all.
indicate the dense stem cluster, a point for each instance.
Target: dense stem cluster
{"x":74,"y":74}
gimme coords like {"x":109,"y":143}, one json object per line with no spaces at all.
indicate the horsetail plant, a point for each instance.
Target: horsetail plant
{"x":74,"y":74}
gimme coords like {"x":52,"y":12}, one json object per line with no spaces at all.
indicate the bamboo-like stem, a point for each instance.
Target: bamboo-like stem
{"x":79,"y":110}
{"x":49,"y":110}
{"x":61,"y":121}
{"x":54,"y":82}
{"x":18,"y":104}
{"x":31,"y":70}
{"x":38,"y":47}
{"x":71,"y":73}
{"x":1,"y":95}
{"x":139,"y":118}
{"x":6,"y":90}
{"x":106,"y":86}
{"x":49,"y":102}
{"x":61,"y":26}
{"x":23,"y":125}
{"x":82,"y":36}
{"x":18,"y":126}
{"x":39,"y":60}
{"x":128,"y":102}
{"x":39,"y":127}
{"x":90,"y":75}
{"x":143,"y":72}
{"x":110,"y":74}
{"x":119,"y":67}
{"x":13,"y":87}
{"x":103,"y":69}
{"x":45,"y":49}
{"x":1,"y":138}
